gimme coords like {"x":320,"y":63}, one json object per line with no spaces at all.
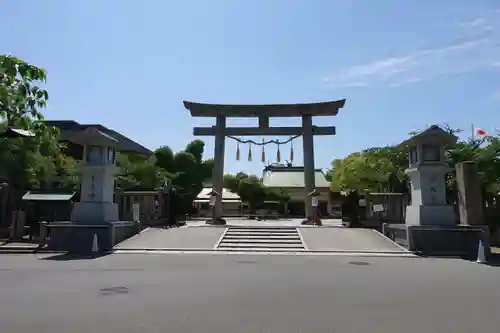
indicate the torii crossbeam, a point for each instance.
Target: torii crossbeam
{"x":263,"y":112}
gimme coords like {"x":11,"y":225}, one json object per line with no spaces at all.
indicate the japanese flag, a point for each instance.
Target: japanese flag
{"x":480,"y":132}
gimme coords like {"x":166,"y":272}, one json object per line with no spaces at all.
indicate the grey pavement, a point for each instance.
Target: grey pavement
{"x":241,"y":294}
{"x":348,"y":240}
{"x":174,"y":238}
{"x":241,"y":222}
{"x":334,"y":239}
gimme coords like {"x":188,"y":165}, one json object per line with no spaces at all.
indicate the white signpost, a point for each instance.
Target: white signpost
{"x":314,"y":202}
{"x":135,"y":212}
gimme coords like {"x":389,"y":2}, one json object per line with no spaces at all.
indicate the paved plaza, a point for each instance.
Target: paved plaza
{"x":348,"y":240}
{"x":131,"y":293}
{"x":198,"y":236}
{"x":174,"y":239}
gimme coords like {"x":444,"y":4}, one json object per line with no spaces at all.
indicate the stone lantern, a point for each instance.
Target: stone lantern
{"x":427,"y":169}
{"x":212,"y":201}
{"x":314,"y":218}
{"x":96,"y":204}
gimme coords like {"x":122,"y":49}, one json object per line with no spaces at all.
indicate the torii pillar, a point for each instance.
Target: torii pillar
{"x":264,"y":112}
{"x":218,"y":170}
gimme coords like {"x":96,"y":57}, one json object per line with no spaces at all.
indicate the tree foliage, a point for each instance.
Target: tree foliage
{"x":185,"y":171}
{"x":31,"y":162}
{"x":40,"y":162}
{"x":381,"y":169}
{"x":252,"y":191}
{"x":20,"y":95}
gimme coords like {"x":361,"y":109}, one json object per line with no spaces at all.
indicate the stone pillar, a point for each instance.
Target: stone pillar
{"x":470,"y":200}
{"x":309,"y":181}
{"x":218,"y":171}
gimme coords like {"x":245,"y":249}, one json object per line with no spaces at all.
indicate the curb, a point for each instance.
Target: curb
{"x":289,"y":253}
{"x":222,"y":251}
{"x":167,"y":249}
{"x":263,"y":250}
{"x":27,"y":251}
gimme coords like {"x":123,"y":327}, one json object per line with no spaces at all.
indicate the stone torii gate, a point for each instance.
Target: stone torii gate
{"x":263,"y":112}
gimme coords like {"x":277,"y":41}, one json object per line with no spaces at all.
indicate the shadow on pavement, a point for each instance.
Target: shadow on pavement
{"x":73,"y":256}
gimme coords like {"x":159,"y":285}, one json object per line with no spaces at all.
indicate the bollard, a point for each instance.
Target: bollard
{"x":95,"y":244}
{"x":481,"y":255}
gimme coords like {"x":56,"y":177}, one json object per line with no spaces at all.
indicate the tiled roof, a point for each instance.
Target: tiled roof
{"x":291,"y":177}
{"x":29,"y":196}
{"x":226,"y":194}
{"x":68,"y":128}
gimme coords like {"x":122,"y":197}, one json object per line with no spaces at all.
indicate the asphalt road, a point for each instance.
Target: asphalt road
{"x":246,"y":293}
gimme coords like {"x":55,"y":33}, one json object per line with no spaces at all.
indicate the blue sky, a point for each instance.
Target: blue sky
{"x":128,"y":65}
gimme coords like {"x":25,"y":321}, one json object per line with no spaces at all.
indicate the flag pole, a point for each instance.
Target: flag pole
{"x":473,"y":132}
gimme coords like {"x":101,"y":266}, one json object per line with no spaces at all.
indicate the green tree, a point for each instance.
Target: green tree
{"x":165,"y":158}
{"x":196,"y":148}
{"x":25,"y":162}
{"x":20,"y":95}
{"x":232,"y":182}
{"x":277,"y":194}
{"x":252,"y":191}
{"x":368,"y":171}
{"x":382,"y":169}
{"x":139,"y":174}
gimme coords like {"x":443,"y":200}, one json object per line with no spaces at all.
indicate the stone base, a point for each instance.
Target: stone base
{"x":218,"y":221}
{"x":78,"y":238}
{"x":430,"y":215}
{"x":89,"y":212}
{"x":444,"y":240}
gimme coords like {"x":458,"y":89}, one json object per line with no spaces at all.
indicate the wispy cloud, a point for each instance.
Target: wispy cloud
{"x":495,"y":97}
{"x":476,"y":46}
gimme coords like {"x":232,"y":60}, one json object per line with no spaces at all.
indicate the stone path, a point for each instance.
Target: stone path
{"x":174,"y":239}
{"x":348,"y":240}
{"x":265,"y":238}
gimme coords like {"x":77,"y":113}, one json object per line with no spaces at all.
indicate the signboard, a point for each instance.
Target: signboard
{"x":135,"y":212}
{"x":211,"y":201}
{"x":314,"y":202}
{"x":362,"y":202}
{"x":378,"y":208}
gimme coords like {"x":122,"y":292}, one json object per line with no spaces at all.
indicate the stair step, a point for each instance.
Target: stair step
{"x":261,"y":249}
{"x":261,"y":234}
{"x":269,"y":245}
{"x":262,"y":241}
{"x":261,"y":237}
{"x":264,"y":229}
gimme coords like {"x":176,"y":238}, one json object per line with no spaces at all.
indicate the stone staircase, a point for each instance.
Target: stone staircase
{"x":263,"y":239}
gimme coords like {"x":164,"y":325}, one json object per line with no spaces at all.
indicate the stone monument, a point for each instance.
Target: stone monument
{"x":470,"y":196}
{"x":427,"y":170}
